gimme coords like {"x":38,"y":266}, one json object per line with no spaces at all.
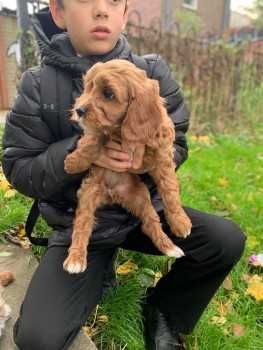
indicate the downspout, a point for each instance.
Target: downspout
{"x":168,"y":15}
{"x":225,"y":21}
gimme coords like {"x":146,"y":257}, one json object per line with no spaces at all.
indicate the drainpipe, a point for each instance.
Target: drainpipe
{"x":168,"y":15}
{"x":23,"y":26}
{"x":225,"y":21}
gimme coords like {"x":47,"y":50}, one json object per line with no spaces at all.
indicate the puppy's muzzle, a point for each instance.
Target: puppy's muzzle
{"x":81,"y":111}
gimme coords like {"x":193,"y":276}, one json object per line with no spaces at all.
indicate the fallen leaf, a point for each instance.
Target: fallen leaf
{"x":237,"y":329}
{"x":5,"y":254}
{"x":103,"y":318}
{"x":10,"y":193}
{"x":252,"y":242}
{"x":227,"y":284}
{"x":223,"y":182}
{"x":127,"y":267}
{"x":218,"y":320}
{"x":157,"y":277}
{"x":255,"y":288}
{"x":222,"y":309}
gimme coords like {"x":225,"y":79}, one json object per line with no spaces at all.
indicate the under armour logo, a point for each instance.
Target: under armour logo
{"x":51,"y":106}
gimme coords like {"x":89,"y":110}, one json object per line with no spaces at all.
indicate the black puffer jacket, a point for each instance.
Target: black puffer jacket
{"x":33,"y":159}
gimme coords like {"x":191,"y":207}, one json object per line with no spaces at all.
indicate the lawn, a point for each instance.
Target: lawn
{"x":223,"y":176}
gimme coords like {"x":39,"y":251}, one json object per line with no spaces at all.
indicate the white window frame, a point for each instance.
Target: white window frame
{"x":191,"y":7}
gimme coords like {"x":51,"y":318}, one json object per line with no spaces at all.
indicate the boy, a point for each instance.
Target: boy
{"x":57,"y":304}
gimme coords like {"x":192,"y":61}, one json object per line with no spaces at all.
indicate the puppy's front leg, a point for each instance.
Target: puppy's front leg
{"x":169,"y":189}
{"x":90,"y":197}
{"x":87,"y":151}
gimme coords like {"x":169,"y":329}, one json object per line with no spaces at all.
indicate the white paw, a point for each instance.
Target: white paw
{"x":176,"y":252}
{"x":75,"y":268}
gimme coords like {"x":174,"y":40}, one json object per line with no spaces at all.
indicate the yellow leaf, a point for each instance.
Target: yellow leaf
{"x":22,"y":233}
{"x":157,"y":276}
{"x":10,"y":193}
{"x":218,"y":320}
{"x":254,"y":279}
{"x":223,"y":182}
{"x":4,"y":185}
{"x":127,"y":267}
{"x":255,"y":287}
{"x":235,"y":295}
{"x":252,"y":242}
{"x":204,"y":138}
{"x":256,"y":290}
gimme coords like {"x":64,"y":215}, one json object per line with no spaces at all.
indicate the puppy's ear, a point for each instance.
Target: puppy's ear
{"x":145,"y":114}
{"x":91,"y":73}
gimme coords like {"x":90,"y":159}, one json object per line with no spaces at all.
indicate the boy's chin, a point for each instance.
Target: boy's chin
{"x":100,"y":50}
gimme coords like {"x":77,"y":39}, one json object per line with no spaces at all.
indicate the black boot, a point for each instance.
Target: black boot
{"x":158,"y":333}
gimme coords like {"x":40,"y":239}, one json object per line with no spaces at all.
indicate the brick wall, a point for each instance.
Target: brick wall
{"x":211,"y":11}
{"x":8,"y":66}
{"x":149,"y":9}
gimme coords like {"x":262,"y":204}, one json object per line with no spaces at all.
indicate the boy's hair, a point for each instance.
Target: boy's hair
{"x":60,"y":3}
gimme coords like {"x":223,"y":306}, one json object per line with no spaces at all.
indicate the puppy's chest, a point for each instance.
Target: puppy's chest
{"x":115,"y":183}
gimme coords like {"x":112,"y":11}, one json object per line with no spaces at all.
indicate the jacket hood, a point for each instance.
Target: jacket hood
{"x":56,"y":49}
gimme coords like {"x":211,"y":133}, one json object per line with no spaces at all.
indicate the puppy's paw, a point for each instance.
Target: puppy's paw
{"x":175,"y":252}
{"x":71,"y":164}
{"x":76,"y":264}
{"x":181,"y":225}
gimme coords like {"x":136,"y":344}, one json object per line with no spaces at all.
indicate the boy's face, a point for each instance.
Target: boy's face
{"x":93,"y":25}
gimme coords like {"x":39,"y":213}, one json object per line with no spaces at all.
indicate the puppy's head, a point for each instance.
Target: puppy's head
{"x":118,"y":95}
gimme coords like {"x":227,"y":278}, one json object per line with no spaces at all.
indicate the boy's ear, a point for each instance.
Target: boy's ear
{"x":125,"y":16}
{"x":57,"y":14}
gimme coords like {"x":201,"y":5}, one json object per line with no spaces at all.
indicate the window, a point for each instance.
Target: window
{"x":190,"y":4}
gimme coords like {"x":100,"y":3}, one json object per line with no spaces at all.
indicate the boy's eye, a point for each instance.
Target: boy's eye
{"x":114,"y":1}
{"x":107,"y":93}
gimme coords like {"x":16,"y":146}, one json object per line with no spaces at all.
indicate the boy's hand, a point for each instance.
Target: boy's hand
{"x":115,"y":157}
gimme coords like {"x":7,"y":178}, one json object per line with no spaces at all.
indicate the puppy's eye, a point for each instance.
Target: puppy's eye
{"x":107,"y":94}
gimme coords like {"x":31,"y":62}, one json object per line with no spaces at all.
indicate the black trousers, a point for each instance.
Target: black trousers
{"x":57,"y":304}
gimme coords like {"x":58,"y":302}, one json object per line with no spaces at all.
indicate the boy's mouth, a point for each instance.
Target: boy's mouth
{"x":100,"y":32}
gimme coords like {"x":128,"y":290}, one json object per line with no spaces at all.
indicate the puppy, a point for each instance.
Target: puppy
{"x":120,"y":103}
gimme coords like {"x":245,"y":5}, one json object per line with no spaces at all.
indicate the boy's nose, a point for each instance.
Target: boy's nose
{"x":100,"y":8}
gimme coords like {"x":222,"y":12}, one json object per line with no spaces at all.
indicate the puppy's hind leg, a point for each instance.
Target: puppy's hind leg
{"x":138,"y":202}
{"x":90,"y":197}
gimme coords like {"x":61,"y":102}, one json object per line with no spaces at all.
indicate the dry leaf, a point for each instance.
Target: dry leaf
{"x":127,"y":267}
{"x":218,"y":320}
{"x":252,"y":242}
{"x":222,"y":309}
{"x":6,"y":278}
{"x":158,"y":275}
{"x":103,"y":318}
{"x":227,"y":284}
{"x":237,"y":329}
{"x":255,"y":288}
{"x":223,"y":182}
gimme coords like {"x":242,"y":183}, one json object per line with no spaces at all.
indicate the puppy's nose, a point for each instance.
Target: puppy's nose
{"x":81,"y":111}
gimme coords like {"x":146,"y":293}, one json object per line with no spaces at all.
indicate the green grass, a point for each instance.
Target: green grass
{"x":223,"y":176}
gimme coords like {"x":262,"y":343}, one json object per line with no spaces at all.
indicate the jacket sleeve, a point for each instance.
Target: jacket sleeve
{"x":176,"y":106}
{"x":33,"y":161}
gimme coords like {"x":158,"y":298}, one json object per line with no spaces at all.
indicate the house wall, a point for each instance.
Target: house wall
{"x":8,"y":64}
{"x":210,"y":11}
